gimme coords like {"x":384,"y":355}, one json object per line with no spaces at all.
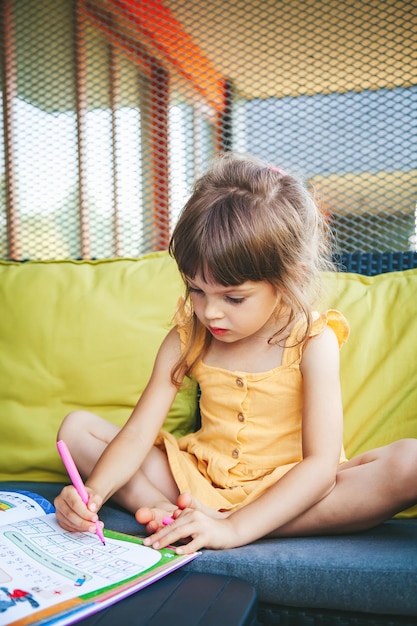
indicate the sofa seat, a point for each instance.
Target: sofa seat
{"x":372,"y":572}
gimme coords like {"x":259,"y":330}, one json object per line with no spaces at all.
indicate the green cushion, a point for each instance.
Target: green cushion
{"x":79,"y":334}
{"x":379,"y":360}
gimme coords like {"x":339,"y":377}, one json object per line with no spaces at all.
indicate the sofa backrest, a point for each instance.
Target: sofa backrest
{"x":79,"y":334}
{"x":379,"y":360}
{"x":84,"y":334}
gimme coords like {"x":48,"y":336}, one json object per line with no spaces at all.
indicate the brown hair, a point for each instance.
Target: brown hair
{"x":249,"y":221}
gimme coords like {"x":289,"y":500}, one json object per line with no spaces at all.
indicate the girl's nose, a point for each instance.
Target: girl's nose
{"x":213,"y":311}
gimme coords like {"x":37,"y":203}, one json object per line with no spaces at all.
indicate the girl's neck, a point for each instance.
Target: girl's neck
{"x":254,"y":354}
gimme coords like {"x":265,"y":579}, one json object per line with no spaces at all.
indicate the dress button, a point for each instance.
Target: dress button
{"x":241,"y":417}
{"x":239,"y":382}
{"x":235,"y":453}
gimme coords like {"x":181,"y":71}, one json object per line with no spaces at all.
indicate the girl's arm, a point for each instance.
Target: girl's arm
{"x":125,"y":454}
{"x":127,"y":451}
{"x":304,"y":485}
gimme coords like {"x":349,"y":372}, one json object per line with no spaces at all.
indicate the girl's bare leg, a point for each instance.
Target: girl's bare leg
{"x":87,"y":435}
{"x":370,"y":489}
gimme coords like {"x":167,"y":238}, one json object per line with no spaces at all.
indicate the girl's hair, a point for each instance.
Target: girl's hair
{"x":250,"y":221}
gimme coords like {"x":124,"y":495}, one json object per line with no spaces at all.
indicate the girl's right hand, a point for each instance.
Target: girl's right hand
{"x":71,"y":512}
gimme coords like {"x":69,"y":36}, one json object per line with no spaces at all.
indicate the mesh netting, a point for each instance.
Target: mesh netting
{"x":112,"y":108}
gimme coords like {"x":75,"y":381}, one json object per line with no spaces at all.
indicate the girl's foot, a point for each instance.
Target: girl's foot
{"x":186,"y":501}
{"x":154,"y":518}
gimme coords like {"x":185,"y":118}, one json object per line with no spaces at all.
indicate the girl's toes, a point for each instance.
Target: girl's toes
{"x":145,"y":515}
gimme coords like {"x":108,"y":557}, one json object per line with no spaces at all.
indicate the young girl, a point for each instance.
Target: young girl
{"x":268,"y":459}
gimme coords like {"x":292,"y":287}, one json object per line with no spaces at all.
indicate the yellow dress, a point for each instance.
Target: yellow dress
{"x":251,"y":426}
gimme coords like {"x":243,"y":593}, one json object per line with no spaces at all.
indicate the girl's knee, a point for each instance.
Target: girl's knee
{"x":402,"y":457}
{"x":76,"y":423}
{"x":403,"y":448}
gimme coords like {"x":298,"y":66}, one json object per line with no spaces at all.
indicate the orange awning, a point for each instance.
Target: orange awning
{"x":154,"y":27}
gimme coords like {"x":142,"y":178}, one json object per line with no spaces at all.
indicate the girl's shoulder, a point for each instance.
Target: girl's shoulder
{"x":295,"y":346}
{"x":333,"y":318}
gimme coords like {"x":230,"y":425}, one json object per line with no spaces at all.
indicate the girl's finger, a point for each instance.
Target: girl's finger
{"x":192,"y":546}
{"x":169,"y":534}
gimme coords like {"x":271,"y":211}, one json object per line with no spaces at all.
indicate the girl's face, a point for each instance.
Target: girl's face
{"x":235,"y":313}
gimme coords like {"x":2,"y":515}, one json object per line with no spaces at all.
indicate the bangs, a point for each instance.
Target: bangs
{"x":220,"y":247}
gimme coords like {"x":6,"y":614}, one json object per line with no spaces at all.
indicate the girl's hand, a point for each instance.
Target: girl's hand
{"x":198,"y":528}
{"x":71,"y":512}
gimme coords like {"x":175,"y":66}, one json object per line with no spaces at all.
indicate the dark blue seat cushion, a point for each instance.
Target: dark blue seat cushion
{"x":372,"y":572}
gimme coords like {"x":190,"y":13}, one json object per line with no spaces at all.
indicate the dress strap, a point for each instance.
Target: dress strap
{"x":293,"y":351}
{"x":184,"y":323}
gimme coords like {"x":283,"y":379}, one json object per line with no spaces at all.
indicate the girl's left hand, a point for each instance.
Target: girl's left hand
{"x":202,"y":531}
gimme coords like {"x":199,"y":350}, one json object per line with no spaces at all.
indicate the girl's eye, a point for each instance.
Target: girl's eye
{"x":234,"y":300}
{"x":200,"y":292}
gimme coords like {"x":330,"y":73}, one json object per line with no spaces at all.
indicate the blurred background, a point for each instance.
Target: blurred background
{"x":112,"y":108}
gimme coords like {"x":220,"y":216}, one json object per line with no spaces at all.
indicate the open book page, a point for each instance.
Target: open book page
{"x":19,"y":505}
{"x":51,"y":574}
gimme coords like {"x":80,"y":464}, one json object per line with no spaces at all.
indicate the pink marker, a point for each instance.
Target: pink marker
{"x":166,"y":521}
{"x":76,"y":480}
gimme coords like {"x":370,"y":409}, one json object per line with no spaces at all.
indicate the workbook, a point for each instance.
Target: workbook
{"x":51,"y":576}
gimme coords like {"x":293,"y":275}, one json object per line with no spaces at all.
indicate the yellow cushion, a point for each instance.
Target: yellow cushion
{"x":79,"y":334}
{"x":379,"y":360}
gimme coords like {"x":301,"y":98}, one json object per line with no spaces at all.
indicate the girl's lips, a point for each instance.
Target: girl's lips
{"x":217,"y":331}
